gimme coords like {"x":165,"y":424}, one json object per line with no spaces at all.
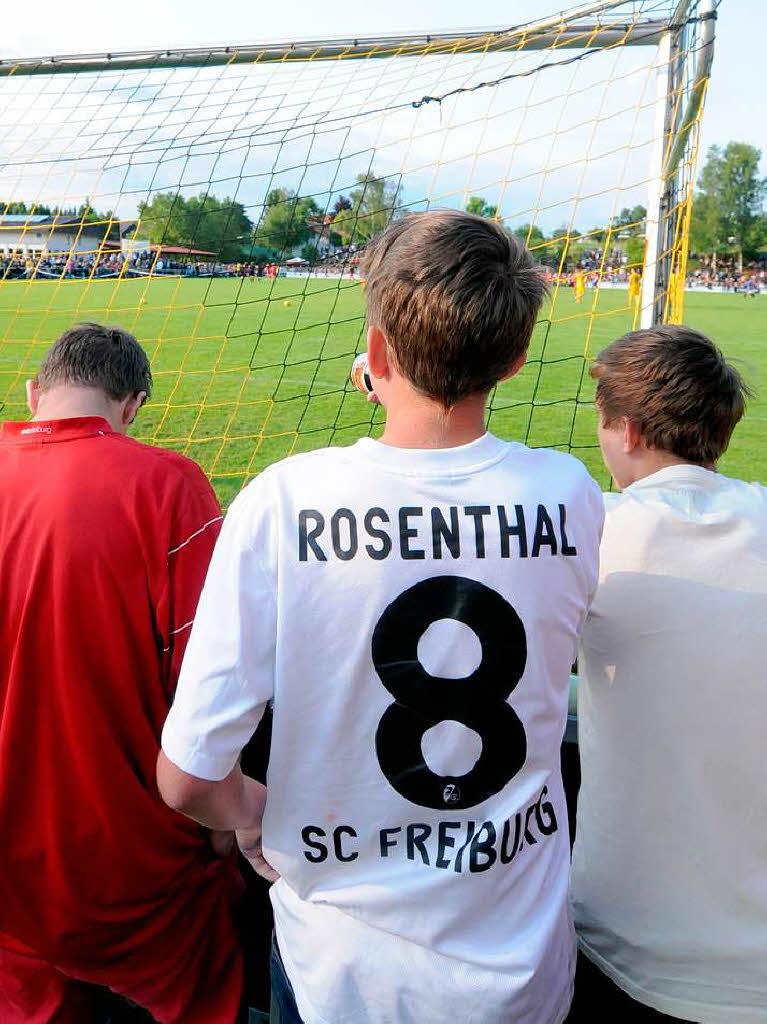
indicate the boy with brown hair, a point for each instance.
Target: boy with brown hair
{"x":104,"y":545}
{"x":670,"y":862}
{"x":411,"y":605}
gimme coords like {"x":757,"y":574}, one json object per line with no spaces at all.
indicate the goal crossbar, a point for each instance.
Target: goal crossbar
{"x":552,"y":34}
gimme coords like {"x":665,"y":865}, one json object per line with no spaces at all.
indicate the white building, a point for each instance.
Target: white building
{"x":36,"y":235}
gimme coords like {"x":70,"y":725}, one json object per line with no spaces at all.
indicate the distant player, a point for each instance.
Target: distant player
{"x":670,"y":860}
{"x":411,"y":605}
{"x":635,"y":286}
{"x":579,"y":285}
{"x":104,"y":545}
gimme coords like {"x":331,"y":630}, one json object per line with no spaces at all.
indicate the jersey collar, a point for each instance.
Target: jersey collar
{"x":47,"y":431}
{"x":417,"y":461}
{"x":678,"y":475}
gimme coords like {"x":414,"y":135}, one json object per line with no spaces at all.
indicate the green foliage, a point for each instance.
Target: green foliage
{"x":730,"y":199}
{"x":530,"y":234}
{"x":480,"y":207}
{"x":375,"y":202}
{"x":341,"y":204}
{"x":309,"y":252}
{"x":88,"y":215}
{"x":631,"y":219}
{"x":594,"y":236}
{"x":634,"y":248}
{"x":20,"y":209}
{"x":704,"y":228}
{"x":555,"y":255}
{"x":285,"y":221}
{"x":220,"y":226}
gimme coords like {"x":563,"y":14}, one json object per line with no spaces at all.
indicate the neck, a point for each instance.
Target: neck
{"x":65,"y":403}
{"x":654,"y":460}
{"x":421,"y":423}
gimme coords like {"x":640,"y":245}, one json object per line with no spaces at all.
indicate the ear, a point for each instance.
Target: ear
{"x":379,"y":361}
{"x":516,"y":366}
{"x":33,"y":395}
{"x":131,"y":406}
{"x":632,"y":436}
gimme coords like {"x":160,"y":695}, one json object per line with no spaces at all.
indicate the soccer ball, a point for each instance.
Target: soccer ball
{"x":287,"y":302}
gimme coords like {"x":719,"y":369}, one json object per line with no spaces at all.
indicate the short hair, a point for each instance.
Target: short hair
{"x":95,"y":356}
{"x":676,"y":385}
{"x":457,"y":296}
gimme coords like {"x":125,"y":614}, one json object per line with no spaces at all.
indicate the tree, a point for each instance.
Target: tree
{"x":561,"y":239}
{"x":595,"y":236}
{"x":730,"y":199}
{"x":375,"y":202}
{"x":20,"y":209}
{"x":285,"y":220}
{"x":164,"y":220}
{"x":341,"y":204}
{"x":220,"y":226}
{"x":530,"y":234}
{"x":310,"y":252}
{"x":481,"y":208}
{"x":635,"y":252}
{"x":631,"y":219}
{"x":704,"y":228}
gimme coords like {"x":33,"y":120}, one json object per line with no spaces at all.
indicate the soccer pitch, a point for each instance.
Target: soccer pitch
{"x":247,"y":372}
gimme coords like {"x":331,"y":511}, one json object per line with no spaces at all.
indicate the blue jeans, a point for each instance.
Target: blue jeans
{"x":283,"y":1009}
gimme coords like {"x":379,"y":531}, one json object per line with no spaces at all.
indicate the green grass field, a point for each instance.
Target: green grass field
{"x":242,"y":379}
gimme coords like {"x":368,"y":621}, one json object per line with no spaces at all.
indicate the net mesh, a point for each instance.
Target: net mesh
{"x":161,"y":198}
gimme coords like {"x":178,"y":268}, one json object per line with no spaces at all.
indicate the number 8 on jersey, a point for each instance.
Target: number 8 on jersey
{"x":478,"y":701}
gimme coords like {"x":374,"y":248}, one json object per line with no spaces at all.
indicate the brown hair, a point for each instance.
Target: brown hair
{"x":96,"y":356}
{"x":457,"y":296}
{"x":676,"y":385}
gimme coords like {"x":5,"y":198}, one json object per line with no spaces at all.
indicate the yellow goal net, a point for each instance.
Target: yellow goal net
{"x":216,"y":202}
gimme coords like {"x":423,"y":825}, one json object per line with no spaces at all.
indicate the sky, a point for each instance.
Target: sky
{"x":735,"y":102}
{"x":733,"y":109}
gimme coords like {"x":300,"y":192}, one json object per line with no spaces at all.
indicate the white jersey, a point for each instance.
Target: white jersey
{"x":670,"y":860}
{"x":414,"y":615}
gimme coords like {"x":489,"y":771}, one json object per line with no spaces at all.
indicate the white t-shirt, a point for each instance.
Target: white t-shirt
{"x":670,"y":861}
{"x":414,"y":614}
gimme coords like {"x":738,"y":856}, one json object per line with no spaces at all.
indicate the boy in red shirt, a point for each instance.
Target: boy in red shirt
{"x":104,"y":543}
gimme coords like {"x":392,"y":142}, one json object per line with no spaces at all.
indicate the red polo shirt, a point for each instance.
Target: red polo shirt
{"x":104,"y":545}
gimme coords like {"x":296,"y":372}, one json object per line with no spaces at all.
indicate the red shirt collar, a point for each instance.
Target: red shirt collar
{"x":46,"y":431}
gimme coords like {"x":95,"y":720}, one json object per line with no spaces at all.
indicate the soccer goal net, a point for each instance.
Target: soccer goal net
{"x":216,"y":203}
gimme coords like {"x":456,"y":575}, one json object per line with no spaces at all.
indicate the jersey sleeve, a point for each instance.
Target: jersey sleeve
{"x":227,"y":676}
{"x":197,"y":521}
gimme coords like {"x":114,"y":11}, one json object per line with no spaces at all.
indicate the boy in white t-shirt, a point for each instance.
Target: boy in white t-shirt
{"x":412,"y":607}
{"x":670,"y":859}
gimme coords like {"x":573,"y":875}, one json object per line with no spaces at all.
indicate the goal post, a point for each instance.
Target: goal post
{"x":684,"y":58}
{"x":216,"y":201}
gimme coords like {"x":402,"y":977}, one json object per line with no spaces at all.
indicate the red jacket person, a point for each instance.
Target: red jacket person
{"x":104,"y":543}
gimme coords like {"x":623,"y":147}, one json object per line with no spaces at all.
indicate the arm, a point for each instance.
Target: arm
{"x":226,"y":680}
{"x":195,"y":524}
{"x":235,"y":803}
{"x":231,"y":803}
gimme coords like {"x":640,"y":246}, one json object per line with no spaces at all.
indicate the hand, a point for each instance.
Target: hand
{"x":249,"y":840}
{"x":373,"y":398}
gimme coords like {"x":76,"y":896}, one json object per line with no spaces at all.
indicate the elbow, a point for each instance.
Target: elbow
{"x":180,"y":791}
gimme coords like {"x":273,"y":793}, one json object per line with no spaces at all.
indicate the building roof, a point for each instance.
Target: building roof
{"x":23,"y":218}
{"x":16,"y":220}
{"x":180,"y":250}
